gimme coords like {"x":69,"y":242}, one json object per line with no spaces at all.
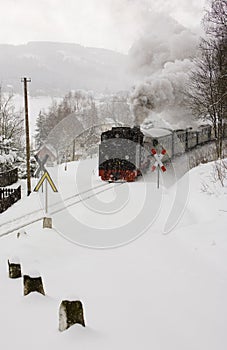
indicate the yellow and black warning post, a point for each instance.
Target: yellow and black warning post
{"x":46,"y":176}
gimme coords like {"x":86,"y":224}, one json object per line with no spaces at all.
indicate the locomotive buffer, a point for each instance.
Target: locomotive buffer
{"x":158,"y":163}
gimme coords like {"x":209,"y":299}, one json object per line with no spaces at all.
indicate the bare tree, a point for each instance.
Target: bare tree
{"x":215,"y":17}
{"x":207,"y":89}
{"x":11,"y":121}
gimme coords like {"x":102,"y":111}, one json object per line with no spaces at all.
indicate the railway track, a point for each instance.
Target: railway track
{"x":37,"y":215}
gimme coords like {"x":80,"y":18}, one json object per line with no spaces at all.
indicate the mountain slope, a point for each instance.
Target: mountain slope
{"x":56,"y":68}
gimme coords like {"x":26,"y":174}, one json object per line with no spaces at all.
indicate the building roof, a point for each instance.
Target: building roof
{"x":156,"y":132}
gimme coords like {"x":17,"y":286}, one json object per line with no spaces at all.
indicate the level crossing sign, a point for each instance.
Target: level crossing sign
{"x":158,"y":162}
{"x":41,"y":162}
{"x":158,"y":158}
{"x":46,"y":176}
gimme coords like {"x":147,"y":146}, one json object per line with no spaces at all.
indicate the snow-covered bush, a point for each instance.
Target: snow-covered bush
{"x":7,"y":160}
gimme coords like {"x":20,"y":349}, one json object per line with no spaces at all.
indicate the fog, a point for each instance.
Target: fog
{"x":112,"y":24}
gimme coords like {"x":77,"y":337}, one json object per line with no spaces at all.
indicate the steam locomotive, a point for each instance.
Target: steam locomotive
{"x":119,"y":154}
{"x":125,"y":153}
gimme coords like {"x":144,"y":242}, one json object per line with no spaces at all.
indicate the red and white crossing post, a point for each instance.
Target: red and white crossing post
{"x":158,"y":163}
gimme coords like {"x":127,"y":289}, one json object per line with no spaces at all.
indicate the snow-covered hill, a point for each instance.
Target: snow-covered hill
{"x":158,"y":292}
{"x":56,"y":68}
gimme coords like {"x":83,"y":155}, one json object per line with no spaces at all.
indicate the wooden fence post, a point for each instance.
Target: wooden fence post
{"x":33,"y":284}
{"x":14,"y":270}
{"x":70,"y":313}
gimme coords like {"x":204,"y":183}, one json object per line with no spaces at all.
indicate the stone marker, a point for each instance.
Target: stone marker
{"x":14,"y":270}
{"x":70,"y":313}
{"x":33,"y":284}
{"x":47,"y":222}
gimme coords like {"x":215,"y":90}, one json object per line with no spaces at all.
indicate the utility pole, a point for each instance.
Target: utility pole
{"x":74,"y":148}
{"x":25,"y":81}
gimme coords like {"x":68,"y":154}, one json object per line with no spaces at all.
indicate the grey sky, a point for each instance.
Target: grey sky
{"x":113,"y":24}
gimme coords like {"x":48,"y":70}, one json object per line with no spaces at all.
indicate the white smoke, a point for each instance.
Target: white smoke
{"x":162,"y":60}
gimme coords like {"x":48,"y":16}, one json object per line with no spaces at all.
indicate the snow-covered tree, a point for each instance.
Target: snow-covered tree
{"x":117,"y":109}
{"x":74,"y":102}
{"x":11,"y":122}
{"x":41,"y":128}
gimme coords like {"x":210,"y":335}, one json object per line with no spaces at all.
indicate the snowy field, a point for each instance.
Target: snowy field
{"x":166,"y":289}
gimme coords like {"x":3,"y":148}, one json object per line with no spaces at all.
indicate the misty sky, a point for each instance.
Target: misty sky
{"x":113,"y":24}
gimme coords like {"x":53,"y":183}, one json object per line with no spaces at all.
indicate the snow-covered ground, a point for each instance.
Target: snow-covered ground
{"x":160,"y":291}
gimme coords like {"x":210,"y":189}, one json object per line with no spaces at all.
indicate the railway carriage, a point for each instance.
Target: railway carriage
{"x":159,"y":136}
{"x":204,"y":134}
{"x":179,"y":141}
{"x":191,"y":139}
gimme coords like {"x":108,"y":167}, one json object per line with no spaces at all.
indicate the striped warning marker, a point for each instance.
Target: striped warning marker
{"x":158,"y":158}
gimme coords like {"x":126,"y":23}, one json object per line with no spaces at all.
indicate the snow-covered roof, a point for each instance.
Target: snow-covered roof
{"x":156,"y":132}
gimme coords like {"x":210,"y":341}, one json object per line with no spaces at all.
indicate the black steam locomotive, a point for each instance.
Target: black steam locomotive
{"x":119,"y":153}
{"x":125,"y":153}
